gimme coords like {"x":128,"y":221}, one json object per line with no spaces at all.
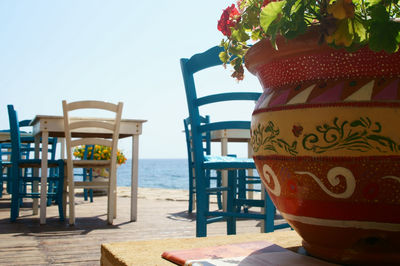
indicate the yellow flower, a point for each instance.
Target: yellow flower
{"x":343,"y":35}
{"x":99,"y":153}
{"x":342,"y":9}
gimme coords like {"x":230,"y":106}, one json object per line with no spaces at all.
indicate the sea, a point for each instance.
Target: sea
{"x":156,"y":173}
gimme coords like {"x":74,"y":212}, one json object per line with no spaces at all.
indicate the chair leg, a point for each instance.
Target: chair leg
{"x":52,"y":186}
{"x":110,"y":207}
{"x":71,"y":198}
{"x":111,"y":198}
{"x":65,"y":192}
{"x":231,"y":221}
{"x":60,"y":190}
{"x":85,"y":190}
{"x":208,"y":184}
{"x":201,"y":205}
{"x":190,"y":208}
{"x":9,"y":181}
{"x":91,"y":179}
{"x":219,"y":194}
{"x":269,"y":214}
{"x":15,"y":195}
{"x":241,"y":190}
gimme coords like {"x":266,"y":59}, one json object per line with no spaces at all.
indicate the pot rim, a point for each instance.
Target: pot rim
{"x":263,"y":52}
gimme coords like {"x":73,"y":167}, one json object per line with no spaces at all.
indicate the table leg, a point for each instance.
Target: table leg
{"x":62,"y":148}
{"x":35,"y":186}
{"x":224,"y":174}
{"x":134,"y":177}
{"x":43,"y":180}
{"x":65,"y":189}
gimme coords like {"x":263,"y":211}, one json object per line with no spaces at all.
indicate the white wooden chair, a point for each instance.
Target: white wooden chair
{"x":92,"y":125}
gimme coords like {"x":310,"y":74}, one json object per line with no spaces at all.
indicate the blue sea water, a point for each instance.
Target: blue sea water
{"x":156,"y":173}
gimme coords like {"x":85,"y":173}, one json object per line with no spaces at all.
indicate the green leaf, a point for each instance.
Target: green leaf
{"x":379,"y":13}
{"x":296,"y":27}
{"x":291,"y":7}
{"x":223,"y":56}
{"x":236,"y":50}
{"x":384,"y":36}
{"x":252,"y":17}
{"x":240,"y":35}
{"x":269,"y":13}
{"x":373,"y":2}
{"x":256,"y":35}
{"x":359,"y":30}
{"x":273,"y":30}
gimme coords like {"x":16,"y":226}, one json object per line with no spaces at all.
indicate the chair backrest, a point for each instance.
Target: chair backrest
{"x":92,"y":125}
{"x":23,"y":145}
{"x":189,"y":67}
{"x":27,"y":142}
{"x":188,"y":136}
{"x":14,"y":134}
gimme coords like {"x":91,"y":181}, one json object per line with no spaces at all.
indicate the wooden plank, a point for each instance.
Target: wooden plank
{"x":26,"y":242}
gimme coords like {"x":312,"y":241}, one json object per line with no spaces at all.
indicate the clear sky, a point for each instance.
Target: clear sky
{"x":119,"y":50}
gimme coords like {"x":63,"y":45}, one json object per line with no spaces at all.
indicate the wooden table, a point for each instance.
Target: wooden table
{"x":5,"y":136}
{"x":149,"y":252}
{"x":45,"y":126}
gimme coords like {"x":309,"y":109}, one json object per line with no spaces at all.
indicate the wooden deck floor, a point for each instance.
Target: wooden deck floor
{"x":26,"y":242}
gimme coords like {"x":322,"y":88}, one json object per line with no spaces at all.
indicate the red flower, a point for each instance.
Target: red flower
{"x":228,"y":19}
{"x":297,"y":130}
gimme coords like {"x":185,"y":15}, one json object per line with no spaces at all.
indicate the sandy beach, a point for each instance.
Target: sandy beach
{"x":156,"y":193}
{"x":163,"y":194}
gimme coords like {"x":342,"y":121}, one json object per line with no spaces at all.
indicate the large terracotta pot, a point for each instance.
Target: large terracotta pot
{"x":326,"y":141}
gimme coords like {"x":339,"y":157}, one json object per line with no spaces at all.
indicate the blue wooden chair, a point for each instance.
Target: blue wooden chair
{"x":28,"y":149}
{"x":27,"y":152}
{"x":203,"y":163}
{"x":19,"y":180}
{"x":87,"y":173}
{"x":5,"y":155}
{"x":207,"y":151}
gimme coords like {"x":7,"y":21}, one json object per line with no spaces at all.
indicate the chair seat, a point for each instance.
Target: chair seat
{"x":91,"y":163}
{"x":32,"y":163}
{"x":212,"y":158}
{"x":92,"y":184}
{"x":36,"y":163}
{"x":227,"y":162}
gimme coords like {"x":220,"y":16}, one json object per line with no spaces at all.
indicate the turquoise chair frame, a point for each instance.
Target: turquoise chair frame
{"x":19,"y":180}
{"x":235,"y":167}
{"x":26,"y":149}
{"x":5,"y":151}
{"x":87,"y":175}
{"x":207,"y":151}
